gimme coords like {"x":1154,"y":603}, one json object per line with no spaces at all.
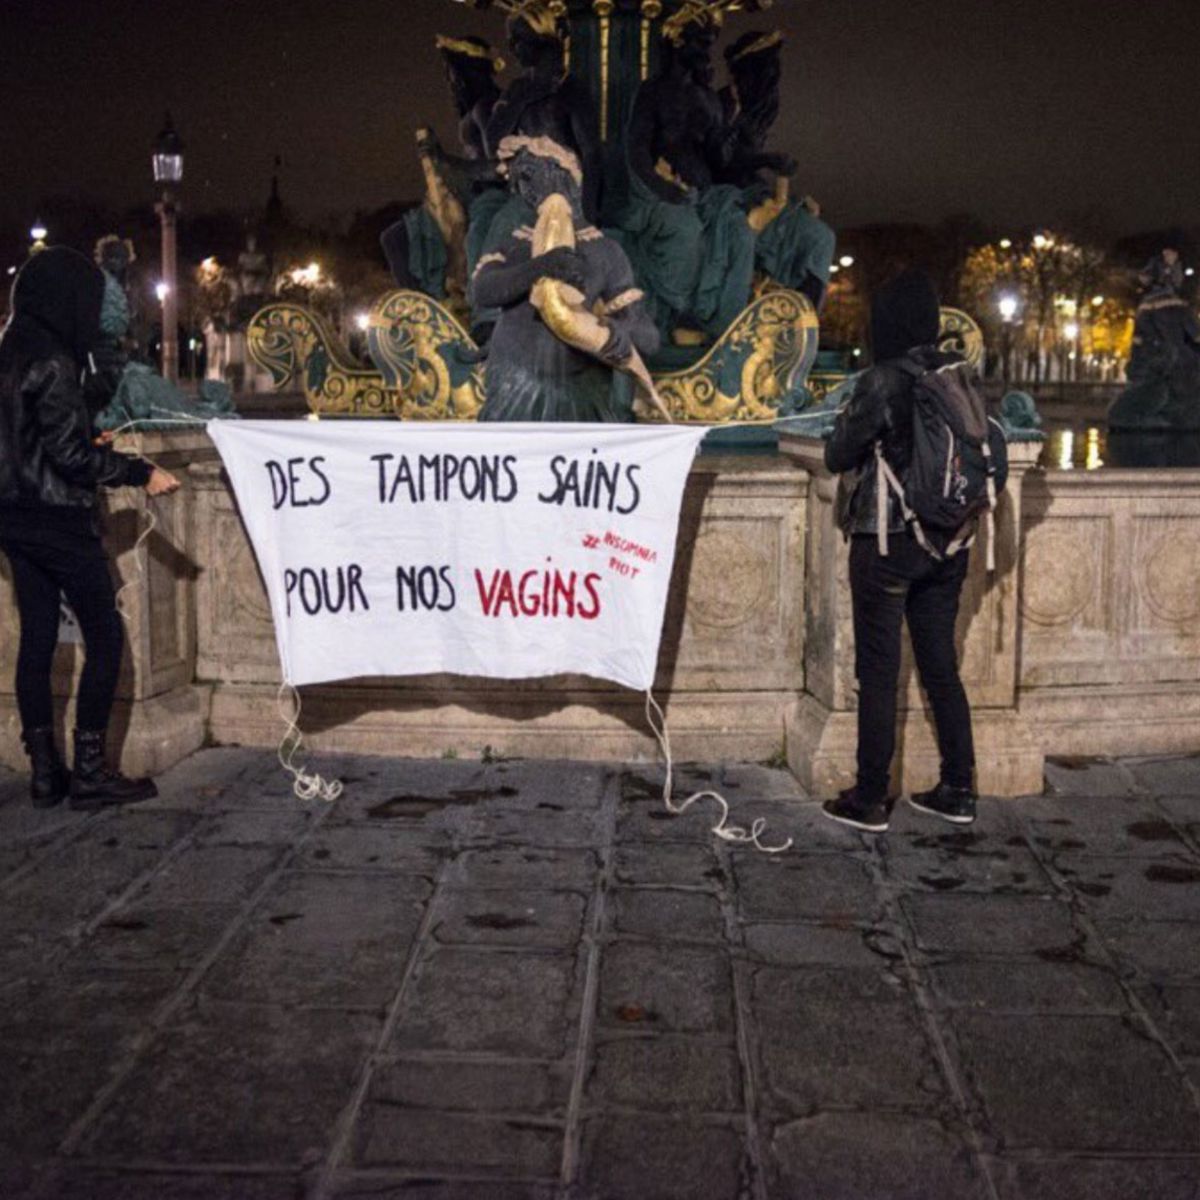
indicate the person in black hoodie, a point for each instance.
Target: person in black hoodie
{"x":51,"y":466}
{"x":909,"y":583}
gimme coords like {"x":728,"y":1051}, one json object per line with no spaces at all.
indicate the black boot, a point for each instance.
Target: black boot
{"x":50,"y":778}
{"x":94,"y":784}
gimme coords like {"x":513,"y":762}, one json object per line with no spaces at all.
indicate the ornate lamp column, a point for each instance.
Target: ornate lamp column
{"x":168,"y":173}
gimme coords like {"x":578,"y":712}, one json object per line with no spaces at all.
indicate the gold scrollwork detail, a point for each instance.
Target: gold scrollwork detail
{"x":427,"y":357}
{"x":961,"y":333}
{"x":299,"y":349}
{"x":763,"y":357}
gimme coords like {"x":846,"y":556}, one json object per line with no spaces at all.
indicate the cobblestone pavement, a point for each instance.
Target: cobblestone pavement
{"x":523,"y":981}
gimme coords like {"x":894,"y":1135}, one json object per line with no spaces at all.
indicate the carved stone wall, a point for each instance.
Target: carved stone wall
{"x":1110,"y":607}
{"x":1087,"y":641}
{"x":731,"y":663}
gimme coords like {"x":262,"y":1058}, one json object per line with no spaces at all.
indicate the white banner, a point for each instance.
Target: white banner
{"x":510,"y":551}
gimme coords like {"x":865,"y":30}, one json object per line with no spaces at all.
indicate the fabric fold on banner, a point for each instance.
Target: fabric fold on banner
{"x":507,"y":551}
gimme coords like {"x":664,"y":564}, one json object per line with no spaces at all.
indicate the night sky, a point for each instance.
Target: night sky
{"x":1020,"y":111}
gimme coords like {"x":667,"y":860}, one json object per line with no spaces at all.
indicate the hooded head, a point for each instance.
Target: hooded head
{"x":905,"y":314}
{"x":58,"y":294}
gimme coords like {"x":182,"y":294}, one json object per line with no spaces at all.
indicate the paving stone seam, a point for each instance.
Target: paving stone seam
{"x":501,"y":949}
{"x":59,"y":841}
{"x":530,"y":1118}
{"x":1183,"y":832}
{"x":618,"y":1032}
{"x":474,"y":1058}
{"x":1023,"y":1154}
{"x":644,"y":939}
{"x":712,"y":1118}
{"x":152,"y":1166}
{"x":355,"y":873}
{"x":347,"y":1119}
{"x":1137,"y":1008}
{"x":745,"y":1027}
{"x":918,"y":1110}
{"x":159,"y":1019}
{"x":84,"y":928}
{"x":927,"y":1012}
{"x":594,"y":940}
{"x":401,"y":1177}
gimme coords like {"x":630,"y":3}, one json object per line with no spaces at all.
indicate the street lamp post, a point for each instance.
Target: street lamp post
{"x":168,"y":173}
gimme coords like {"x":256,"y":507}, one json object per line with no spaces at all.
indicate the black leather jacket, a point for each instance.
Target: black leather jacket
{"x":881,"y":408}
{"x":48,"y":458}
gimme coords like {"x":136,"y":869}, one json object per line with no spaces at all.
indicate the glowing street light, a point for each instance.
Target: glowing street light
{"x":1097,"y":301}
{"x":1041,"y":241}
{"x":1006,"y":243}
{"x":167,"y":158}
{"x":847,"y":261}
{"x":363,"y":321}
{"x":1008,"y":307}
{"x":1071,"y":331}
{"x":162,"y":291}
{"x":308,"y":276}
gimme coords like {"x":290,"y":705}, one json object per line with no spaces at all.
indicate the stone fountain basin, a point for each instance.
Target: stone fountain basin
{"x":1086,"y":642}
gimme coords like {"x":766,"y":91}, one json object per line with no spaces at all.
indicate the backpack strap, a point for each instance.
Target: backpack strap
{"x":911,"y":367}
{"x":966,"y":536}
{"x":885,"y":479}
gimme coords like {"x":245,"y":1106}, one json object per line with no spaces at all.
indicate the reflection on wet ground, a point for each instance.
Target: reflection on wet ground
{"x":1093,"y":447}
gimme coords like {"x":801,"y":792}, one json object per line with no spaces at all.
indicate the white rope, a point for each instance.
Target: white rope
{"x":305,"y":786}
{"x":151,"y":519}
{"x":722,"y":829}
{"x":119,"y":598}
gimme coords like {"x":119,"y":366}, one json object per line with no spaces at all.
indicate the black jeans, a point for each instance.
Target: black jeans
{"x":81,"y":573}
{"x":910,"y":584}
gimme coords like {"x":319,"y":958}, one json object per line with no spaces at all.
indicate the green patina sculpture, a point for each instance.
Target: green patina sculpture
{"x":1020,"y":418}
{"x":678,"y":173}
{"x":1164,"y":369}
{"x":138,"y":393}
{"x":684,"y":180}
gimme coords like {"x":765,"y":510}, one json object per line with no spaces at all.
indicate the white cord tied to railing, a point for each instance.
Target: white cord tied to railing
{"x":306,"y":785}
{"x":151,"y":520}
{"x":657,"y":721}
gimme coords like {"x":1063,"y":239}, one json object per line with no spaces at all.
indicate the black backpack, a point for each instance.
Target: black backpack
{"x":951,"y":480}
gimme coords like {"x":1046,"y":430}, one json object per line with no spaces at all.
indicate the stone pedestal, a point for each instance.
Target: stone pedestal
{"x":161,"y":713}
{"x":730,"y":667}
{"x":822,"y":724}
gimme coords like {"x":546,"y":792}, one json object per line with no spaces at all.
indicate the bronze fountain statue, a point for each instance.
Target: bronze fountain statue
{"x":679,"y":278}
{"x":1163,"y":395}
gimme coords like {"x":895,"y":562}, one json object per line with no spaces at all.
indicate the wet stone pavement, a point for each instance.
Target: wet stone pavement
{"x":524,"y":981}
